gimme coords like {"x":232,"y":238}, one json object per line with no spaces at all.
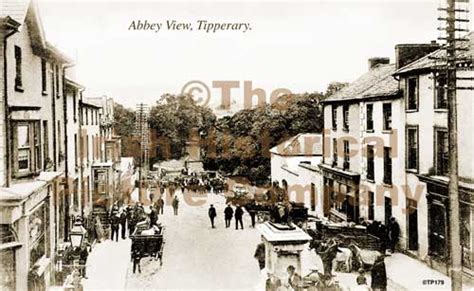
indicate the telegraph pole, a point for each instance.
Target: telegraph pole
{"x":453,"y":187}
{"x":142,"y":134}
{"x":450,"y":64}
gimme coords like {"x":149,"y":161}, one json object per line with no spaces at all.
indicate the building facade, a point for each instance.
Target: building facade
{"x":33,"y":212}
{"x":294,"y":165}
{"x":427,"y":155}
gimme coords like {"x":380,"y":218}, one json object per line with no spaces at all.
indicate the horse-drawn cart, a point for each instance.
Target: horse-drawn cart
{"x":148,"y":241}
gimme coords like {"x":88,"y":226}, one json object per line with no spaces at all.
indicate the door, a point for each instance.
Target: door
{"x":388,"y":209}
{"x":437,"y":230}
{"x":313,"y":197}
{"x":412,"y":222}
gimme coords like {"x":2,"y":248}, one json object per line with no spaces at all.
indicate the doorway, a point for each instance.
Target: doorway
{"x":412,"y":223}
{"x":388,"y":209}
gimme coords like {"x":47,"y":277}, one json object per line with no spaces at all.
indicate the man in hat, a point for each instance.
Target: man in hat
{"x":212,"y":215}
{"x":238,"y":217}
{"x":228,"y":213}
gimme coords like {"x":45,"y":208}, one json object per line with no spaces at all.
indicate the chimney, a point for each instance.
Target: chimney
{"x":408,"y":53}
{"x":373,"y":62}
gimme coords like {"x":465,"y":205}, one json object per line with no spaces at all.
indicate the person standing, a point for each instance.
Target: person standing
{"x":212,"y":215}
{"x":175,"y":204}
{"x":393,"y":233}
{"x":123,"y":222}
{"x":238,"y":217}
{"x":379,"y":274}
{"x":131,"y":221}
{"x":114,"y":225}
{"x":160,"y":204}
{"x":153,"y":216}
{"x":251,"y":209}
{"x":228,"y":213}
{"x":136,"y":258}
{"x":260,"y":255}
{"x":84,"y":254}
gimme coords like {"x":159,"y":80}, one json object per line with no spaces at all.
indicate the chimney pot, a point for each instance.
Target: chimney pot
{"x":373,"y":62}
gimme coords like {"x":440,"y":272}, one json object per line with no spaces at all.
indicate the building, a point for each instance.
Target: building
{"x":98,"y":119}
{"x":294,"y":165}
{"x":426,"y":156}
{"x":359,"y":152}
{"x":34,"y":216}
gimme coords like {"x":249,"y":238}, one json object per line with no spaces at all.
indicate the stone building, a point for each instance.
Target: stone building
{"x":33,"y":198}
{"x":426,"y":156}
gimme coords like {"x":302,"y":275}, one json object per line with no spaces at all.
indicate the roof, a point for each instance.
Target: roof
{"x":432,"y":60}
{"x":26,"y":12}
{"x":303,"y":144}
{"x":377,"y":82}
{"x":71,"y":82}
{"x":91,"y":103}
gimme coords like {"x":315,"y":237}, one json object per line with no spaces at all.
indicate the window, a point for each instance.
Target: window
{"x":345,"y":117}
{"x":60,"y":152}
{"x":370,"y":163}
{"x":346,"y":164}
{"x":334,"y":152}
{"x":18,"y":76}
{"x":74,"y":105}
{"x":45,"y":145}
{"x":387,"y":116}
{"x":23,"y":146}
{"x":441,"y":93}
{"x":442,"y":152}
{"x":87,"y":148}
{"x":26,"y":148}
{"x":76,"y":158}
{"x":412,"y":94}
{"x":334,"y":117}
{"x":371,"y":204}
{"x":412,"y":148}
{"x":58,"y":94}
{"x":370,"y":117}
{"x":43,"y":77}
{"x":387,"y":166}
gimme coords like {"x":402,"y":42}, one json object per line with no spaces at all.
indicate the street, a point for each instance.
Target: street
{"x":195,"y":255}
{"x":199,"y":257}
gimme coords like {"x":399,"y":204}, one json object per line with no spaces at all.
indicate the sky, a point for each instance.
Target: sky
{"x":300,"y":46}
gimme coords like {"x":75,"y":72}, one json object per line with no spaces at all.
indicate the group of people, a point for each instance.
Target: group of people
{"x":229,"y":213}
{"x":388,"y":234}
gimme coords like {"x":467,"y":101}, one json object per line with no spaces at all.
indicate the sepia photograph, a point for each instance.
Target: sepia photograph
{"x":235,"y":145}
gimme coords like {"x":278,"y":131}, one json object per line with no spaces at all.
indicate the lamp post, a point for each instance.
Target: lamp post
{"x":77,"y":234}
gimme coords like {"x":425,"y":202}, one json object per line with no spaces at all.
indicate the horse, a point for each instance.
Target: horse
{"x":333,"y":256}
{"x":364,"y":259}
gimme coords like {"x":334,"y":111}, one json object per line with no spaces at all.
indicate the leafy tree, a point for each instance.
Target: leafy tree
{"x":172,"y":120}
{"x":124,"y":124}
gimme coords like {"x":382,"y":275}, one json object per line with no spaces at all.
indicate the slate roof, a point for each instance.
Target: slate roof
{"x":377,"y":82}
{"x":303,"y":144}
{"x":16,"y":9}
{"x":432,"y":60}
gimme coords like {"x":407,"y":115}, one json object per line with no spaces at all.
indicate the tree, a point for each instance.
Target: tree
{"x":172,"y":120}
{"x":243,"y":141}
{"x":124,"y":125}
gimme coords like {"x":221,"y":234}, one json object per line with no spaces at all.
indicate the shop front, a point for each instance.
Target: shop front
{"x":341,"y":194}
{"x":438,"y":225}
{"x":26,"y":244}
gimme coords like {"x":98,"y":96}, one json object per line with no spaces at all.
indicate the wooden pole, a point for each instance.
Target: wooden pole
{"x":454,"y":217}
